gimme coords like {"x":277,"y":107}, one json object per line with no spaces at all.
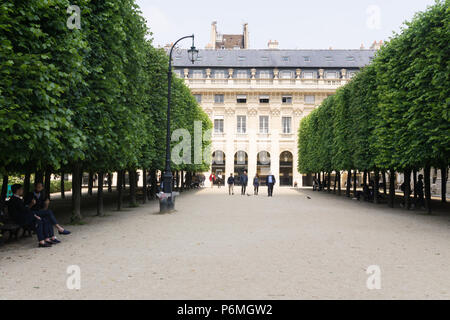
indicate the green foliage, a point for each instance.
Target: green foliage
{"x":95,"y":96}
{"x":395,"y":113}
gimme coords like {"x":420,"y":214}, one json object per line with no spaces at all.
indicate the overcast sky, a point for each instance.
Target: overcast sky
{"x":296,"y":24}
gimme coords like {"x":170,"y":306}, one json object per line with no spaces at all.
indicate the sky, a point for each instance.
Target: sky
{"x":300,"y":24}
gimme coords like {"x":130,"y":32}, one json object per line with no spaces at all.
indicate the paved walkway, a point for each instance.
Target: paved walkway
{"x":240,"y":247}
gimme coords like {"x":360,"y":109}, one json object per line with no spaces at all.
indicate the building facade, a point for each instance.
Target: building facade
{"x":256,"y":99}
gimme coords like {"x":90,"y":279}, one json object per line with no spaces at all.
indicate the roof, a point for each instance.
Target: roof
{"x":261,"y":58}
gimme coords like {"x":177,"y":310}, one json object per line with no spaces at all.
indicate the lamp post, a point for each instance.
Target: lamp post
{"x":168,"y":204}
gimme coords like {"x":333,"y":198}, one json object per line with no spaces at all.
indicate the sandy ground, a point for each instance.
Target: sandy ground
{"x":240,"y":247}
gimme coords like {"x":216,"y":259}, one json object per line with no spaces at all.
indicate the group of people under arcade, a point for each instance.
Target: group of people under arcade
{"x":31,"y":211}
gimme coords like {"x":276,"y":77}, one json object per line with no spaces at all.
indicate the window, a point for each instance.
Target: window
{"x":286,"y":74}
{"x":198,"y":74}
{"x":308,"y":75}
{"x":350,"y":58}
{"x":286,"y":99}
{"x":285,"y":59}
{"x":264,"y":74}
{"x":198,"y":97}
{"x":307,"y":59}
{"x":219,"y":58}
{"x":264,"y":99}
{"x":242,"y":74}
{"x":218,"y":124}
{"x":219,"y":98}
{"x":265,"y":59}
{"x":178,"y":73}
{"x":219,"y":74}
{"x":264,"y":124}
{"x":331,"y":75}
{"x":241,"y":58}
{"x":351,"y":74}
{"x":240,"y":98}
{"x":287,"y":125}
{"x":310,"y":99}
{"x":329,"y":59}
{"x":241,"y":124}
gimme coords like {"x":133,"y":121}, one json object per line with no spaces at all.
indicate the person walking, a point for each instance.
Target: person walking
{"x":270,"y":183}
{"x":230,"y":184}
{"x":212,"y":179}
{"x":256,"y":184}
{"x":419,"y":191}
{"x":243,"y":179}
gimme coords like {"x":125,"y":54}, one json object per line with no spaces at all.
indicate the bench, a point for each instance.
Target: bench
{"x":9,"y":230}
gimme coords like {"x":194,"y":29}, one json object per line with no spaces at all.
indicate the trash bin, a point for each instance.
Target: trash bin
{"x":167,"y":201}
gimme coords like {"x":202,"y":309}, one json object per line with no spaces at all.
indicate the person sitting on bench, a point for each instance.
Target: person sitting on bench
{"x":40,"y":207}
{"x":23,"y":216}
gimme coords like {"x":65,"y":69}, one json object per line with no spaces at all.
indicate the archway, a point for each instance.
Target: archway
{"x":286,"y":168}
{"x":263,"y":166}
{"x":218,"y":162}
{"x":240,"y":164}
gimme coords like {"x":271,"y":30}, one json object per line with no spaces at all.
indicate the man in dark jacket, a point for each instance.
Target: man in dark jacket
{"x":23,"y":216}
{"x":41,"y":200}
{"x":270,"y":183}
{"x":243,"y":180}
{"x":230,"y":184}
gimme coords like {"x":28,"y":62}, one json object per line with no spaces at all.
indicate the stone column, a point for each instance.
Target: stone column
{"x":275,"y":144}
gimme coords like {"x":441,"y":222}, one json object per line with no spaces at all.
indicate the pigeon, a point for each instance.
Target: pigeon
{"x":308,"y":197}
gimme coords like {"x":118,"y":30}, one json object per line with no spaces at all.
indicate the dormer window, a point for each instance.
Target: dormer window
{"x":285,"y":59}
{"x":329,"y":59}
{"x":307,"y":59}
{"x":350,"y":59}
{"x":241,"y":58}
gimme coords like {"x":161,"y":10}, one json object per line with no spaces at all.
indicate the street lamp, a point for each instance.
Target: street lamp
{"x":168,"y":203}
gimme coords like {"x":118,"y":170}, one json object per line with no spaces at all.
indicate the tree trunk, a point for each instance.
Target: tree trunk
{"x":110,"y":178}
{"x":27,"y":182}
{"x":391,"y":188}
{"x":354,"y":183}
{"x":376,"y":186}
{"x":365,"y":178}
{"x":90,"y":183}
{"x":76,"y":193}
{"x":119,"y":190}
{"x":349,"y":183}
{"x":339,"y":182}
{"x":4,"y":190}
{"x":132,"y":179}
{"x":407,"y":193}
{"x":47,"y":186}
{"x":39,"y":177}
{"x":63,"y":191}
{"x":427,"y":181}
{"x":444,"y":177}
{"x":320,"y":181}
{"x":335,"y":182}
{"x":384,"y":182}
{"x":329,"y":182}
{"x":144,"y":186}
{"x":100,"y":211}
{"x":182,"y":180}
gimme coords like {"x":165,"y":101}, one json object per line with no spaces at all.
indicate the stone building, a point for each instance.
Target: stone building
{"x":256,"y":99}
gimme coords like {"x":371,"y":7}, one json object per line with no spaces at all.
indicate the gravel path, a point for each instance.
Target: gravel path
{"x":240,"y":247}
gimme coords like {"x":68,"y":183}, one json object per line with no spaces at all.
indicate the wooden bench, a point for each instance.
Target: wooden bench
{"x":9,"y":230}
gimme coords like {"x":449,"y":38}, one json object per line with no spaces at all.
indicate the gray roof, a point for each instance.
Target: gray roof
{"x":264,"y":58}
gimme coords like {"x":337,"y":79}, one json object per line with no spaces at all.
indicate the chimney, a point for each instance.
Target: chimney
{"x":246,"y":37}
{"x":213,"y":38}
{"x":273,"y":44}
{"x":362,"y":46}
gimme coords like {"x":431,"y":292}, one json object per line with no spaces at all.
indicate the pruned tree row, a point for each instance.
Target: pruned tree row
{"x":85,"y":100}
{"x":394,"y":116}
